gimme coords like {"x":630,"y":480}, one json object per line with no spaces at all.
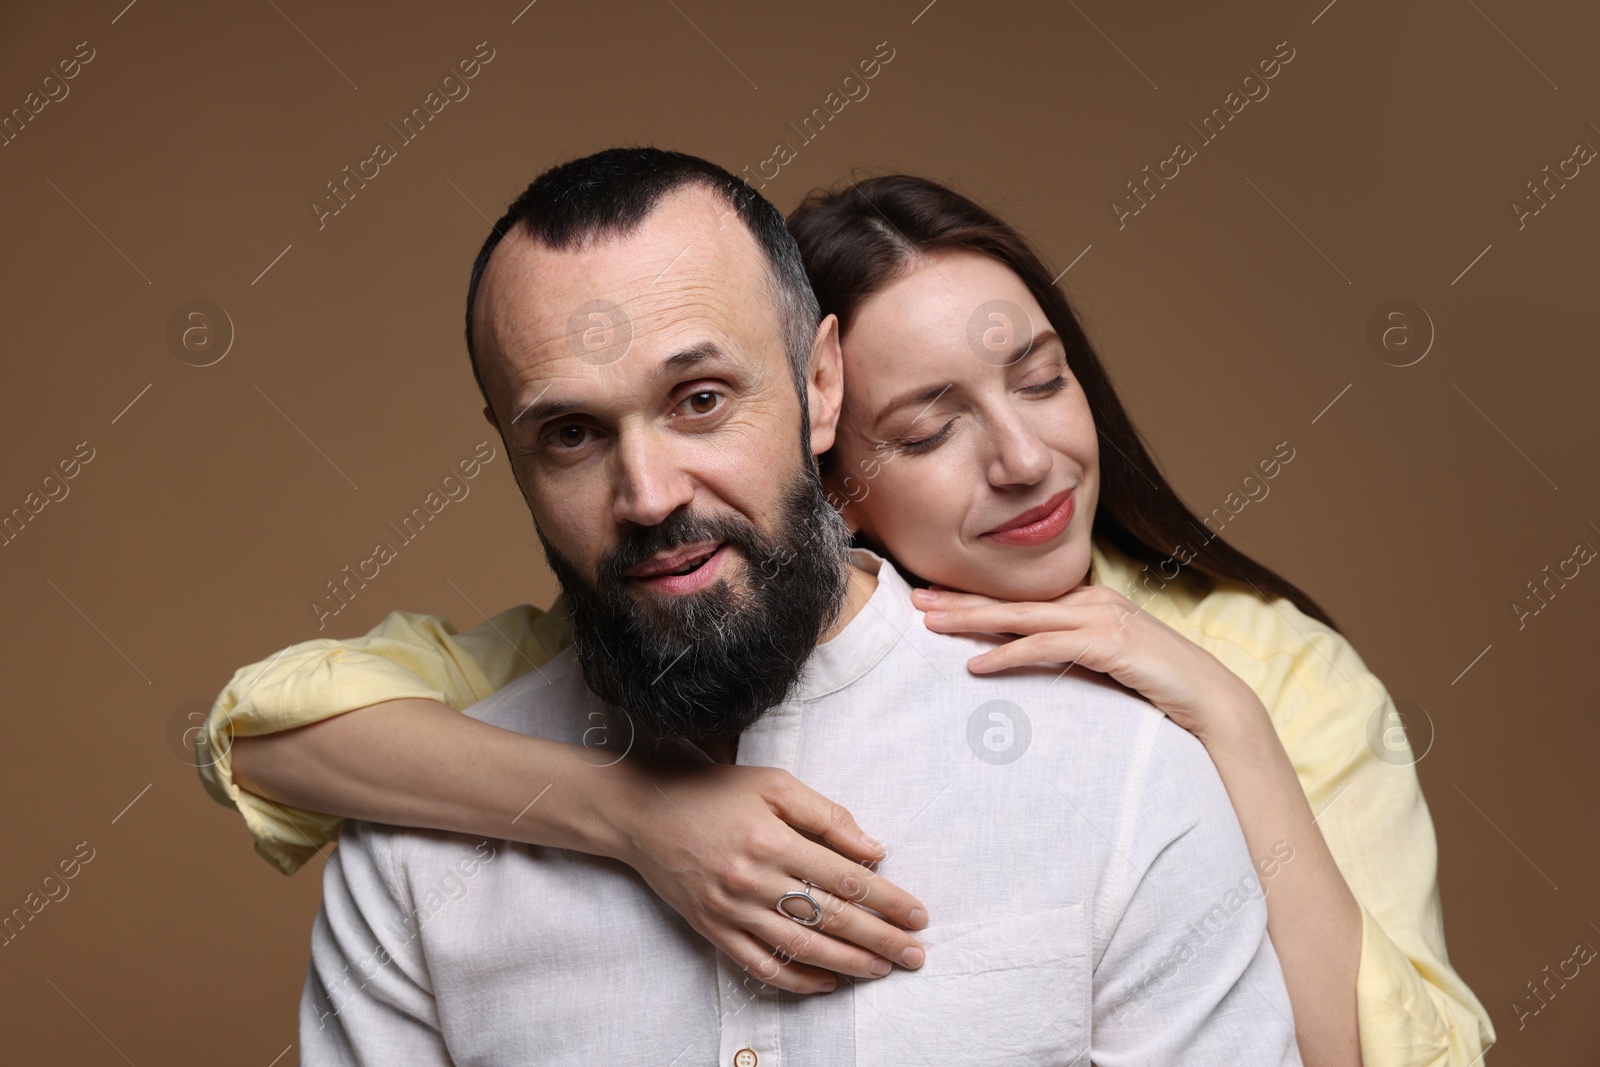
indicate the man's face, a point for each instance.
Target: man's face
{"x":646,"y":402}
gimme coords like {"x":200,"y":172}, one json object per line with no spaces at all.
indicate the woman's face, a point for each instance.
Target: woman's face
{"x":965,"y":445}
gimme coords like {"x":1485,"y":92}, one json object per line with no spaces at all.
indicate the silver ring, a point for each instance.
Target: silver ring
{"x":815,"y":919}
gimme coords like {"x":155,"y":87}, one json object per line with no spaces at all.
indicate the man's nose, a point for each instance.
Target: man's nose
{"x":1020,"y":457}
{"x":651,"y":483}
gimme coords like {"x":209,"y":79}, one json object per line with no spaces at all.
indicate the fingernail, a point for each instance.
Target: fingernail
{"x":872,"y":843}
{"x":828,"y":987}
{"x":936,"y":616}
{"x":879,"y":968}
{"x":912,"y":957}
{"x":918,"y":916}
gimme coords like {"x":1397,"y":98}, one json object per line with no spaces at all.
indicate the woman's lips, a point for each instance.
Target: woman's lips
{"x":1036,"y":525}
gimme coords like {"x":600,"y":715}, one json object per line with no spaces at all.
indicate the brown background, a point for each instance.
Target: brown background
{"x":1232,"y":311}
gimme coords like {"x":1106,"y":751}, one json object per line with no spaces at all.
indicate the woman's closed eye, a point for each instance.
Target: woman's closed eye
{"x":1049,"y":388}
{"x":916,"y":445}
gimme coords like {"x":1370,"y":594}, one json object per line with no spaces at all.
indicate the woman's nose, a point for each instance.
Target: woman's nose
{"x":1020,"y":457}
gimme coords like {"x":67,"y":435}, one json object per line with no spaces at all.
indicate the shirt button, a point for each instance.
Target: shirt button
{"x":745,"y":1057}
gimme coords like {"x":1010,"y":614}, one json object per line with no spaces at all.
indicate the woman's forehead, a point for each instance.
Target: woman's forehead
{"x":950,"y":313}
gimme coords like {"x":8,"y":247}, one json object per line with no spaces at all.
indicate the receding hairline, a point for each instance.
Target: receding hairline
{"x":619,"y":232}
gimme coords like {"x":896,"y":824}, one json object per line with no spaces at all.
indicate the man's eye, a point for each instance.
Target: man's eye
{"x":568,"y":436}
{"x":702,"y":403}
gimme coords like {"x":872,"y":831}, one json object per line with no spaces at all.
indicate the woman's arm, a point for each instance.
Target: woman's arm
{"x":1312,"y":917}
{"x":407,"y":655}
{"x":369,"y":728}
{"x":716,"y":841}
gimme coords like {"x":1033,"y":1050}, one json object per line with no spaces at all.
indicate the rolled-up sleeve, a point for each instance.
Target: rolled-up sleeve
{"x":407,"y":655}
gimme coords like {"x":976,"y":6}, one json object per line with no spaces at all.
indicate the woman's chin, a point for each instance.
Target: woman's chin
{"x":1033,"y":580}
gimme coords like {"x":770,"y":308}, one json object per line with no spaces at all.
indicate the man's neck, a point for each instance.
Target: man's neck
{"x":859,"y":588}
{"x":721,"y":749}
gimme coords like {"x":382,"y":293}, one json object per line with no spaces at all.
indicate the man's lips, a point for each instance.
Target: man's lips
{"x":700,"y":564}
{"x":1036,"y":525}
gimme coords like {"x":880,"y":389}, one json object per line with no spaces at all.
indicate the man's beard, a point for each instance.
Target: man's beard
{"x":708,"y":664}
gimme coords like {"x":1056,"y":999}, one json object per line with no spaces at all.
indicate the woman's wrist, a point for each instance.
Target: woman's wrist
{"x":574,"y":799}
{"x":612,"y":796}
{"x":1239,"y":725}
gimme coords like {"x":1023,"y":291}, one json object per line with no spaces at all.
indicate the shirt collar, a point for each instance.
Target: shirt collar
{"x":863,"y":642}
{"x":866,"y":639}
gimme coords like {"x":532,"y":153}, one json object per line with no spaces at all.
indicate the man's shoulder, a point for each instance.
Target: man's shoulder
{"x":1082,"y":699}
{"x":548,"y":697}
{"x":378,"y":862}
{"x":1083,"y":727}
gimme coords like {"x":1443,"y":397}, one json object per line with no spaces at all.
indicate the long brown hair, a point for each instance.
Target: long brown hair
{"x":861,"y":236}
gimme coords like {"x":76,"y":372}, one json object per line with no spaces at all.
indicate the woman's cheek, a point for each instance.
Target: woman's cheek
{"x":919,"y":518}
{"x":1072,"y":430}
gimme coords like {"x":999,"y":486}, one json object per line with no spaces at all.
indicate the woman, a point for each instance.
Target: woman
{"x":969,"y":453}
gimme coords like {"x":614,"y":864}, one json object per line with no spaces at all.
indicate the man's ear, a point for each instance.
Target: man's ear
{"x":825,"y":384}
{"x":488,"y":416}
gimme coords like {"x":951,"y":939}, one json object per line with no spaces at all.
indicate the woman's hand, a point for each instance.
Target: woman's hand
{"x":721,"y":843}
{"x":1099,"y":629}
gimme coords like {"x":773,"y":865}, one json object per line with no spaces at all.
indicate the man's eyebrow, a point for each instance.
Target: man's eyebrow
{"x":538,"y":409}
{"x":693,"y":357}
{"x":697,"y":356}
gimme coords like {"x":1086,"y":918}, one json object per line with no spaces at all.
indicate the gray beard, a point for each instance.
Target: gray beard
{"x":709,"y":664}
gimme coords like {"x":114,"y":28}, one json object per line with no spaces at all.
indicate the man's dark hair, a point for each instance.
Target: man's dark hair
{"x":609,"y":193}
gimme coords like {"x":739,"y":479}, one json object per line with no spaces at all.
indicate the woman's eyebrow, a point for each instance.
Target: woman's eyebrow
{"x":1031,"y":344}
{"x":926,"y":396}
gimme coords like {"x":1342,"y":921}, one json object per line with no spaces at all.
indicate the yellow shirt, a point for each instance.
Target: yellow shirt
{"x":1413,"y":1009}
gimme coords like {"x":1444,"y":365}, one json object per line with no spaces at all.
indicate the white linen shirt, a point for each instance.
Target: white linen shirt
{"x":1091,"y":898}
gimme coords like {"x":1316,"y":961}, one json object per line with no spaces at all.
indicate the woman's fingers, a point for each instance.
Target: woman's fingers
{"x":866,"y":887}
{"x":1033,"y":618}
{"x":1075,"y":647}
{"x":852,"y":889}
{"x":939,"y":597}
{"x":807,"y":959}
{"x":1002,"y":618}
{"x":803,"y":808}
{"x":767,"y":964}
{"x":767,"y":826}
{"x":878,"y":937}
{"x":835,"y":943}
{"x":808,"y":810}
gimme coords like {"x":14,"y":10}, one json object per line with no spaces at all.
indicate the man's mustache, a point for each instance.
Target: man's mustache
{"x":641,"y":543}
